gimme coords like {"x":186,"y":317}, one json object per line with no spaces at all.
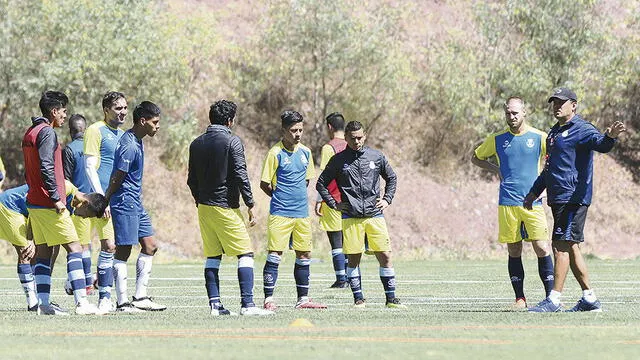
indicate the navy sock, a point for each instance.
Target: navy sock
{"x":301,"y":274}
{"x":270,"y":274}
{"x":211,"y":280}
{"x":42,"y":273}
{"x":338,"y":257}
{"x":388,"y":278}
{"x":355,"y":282}
{"x":245,"y":278}
{"x":86,"y":265}
{"x":516,"y":273}
{"x":545,"y":269}
{"x":75,"y":273}
{"x":105,"y":274}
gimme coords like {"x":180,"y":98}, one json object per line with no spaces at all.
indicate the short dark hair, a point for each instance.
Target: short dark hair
{"x":75,"y":122}
{"x":222,"y":112}
{"x":336,"y":120}
{"x":110,"y":98}
{"x":147,"y":110}
{"x":52,"y":100}
{"x":290,"y":117}
{"x":353,"y":126}
{"x":97,"y":203}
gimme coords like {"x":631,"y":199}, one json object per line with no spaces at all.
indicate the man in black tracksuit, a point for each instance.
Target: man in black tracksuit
{"x":217,"y":178}
{"x":357,"y":171}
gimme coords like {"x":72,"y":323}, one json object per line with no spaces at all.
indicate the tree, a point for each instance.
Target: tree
{"x":319,"y":57}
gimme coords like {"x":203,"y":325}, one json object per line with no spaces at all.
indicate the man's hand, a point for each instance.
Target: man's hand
{"x":382,"y":204}
{"x":318,"y":208}
{"x":28,"y":251}
{"x":615,"y":130}
{"x":107,"y":213}
{"x":252,"y":218}
{"x":528,"y":201}
{"x":60,"y":207}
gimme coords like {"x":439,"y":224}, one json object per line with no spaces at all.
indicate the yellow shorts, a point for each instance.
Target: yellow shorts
{"x":516,"y":223}
{"x":84,"y":228}
{"x":223,"y":231}
{"x":52,"y":228}
{"x":12,"y":226}
{"x":280,"y":229}
{"x":354,"y":230}
{"x":331,"y":220}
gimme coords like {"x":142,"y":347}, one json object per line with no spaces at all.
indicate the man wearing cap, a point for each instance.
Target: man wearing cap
{"x":568,"y":179}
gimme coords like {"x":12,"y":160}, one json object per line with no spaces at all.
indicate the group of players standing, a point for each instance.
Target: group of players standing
{"x":350,"y":207}
{"x":101,"y":192}
{"x":101,"y":173}
{"x":106,"y":160}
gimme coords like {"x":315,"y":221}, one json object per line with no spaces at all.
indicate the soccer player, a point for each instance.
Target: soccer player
{"x":285,"y":177}
{"x":131,"y":222}
{"x":75,"y":171}
{"x":357,"y":171}
{"x":568,"y":178}
{"x":330,"y":219}
{"x":100,"y":141}
{"x":48,"y":216}
{"x":520,"y":151}
{"x":217,"y":177}
{"x":14,"y":228}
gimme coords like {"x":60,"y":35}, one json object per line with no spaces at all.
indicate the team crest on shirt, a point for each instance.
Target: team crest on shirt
{"x":372,"y":165}
{"x":565,"y":133}
{"x":286,"y":161}
{"x":530,"y":143}
{"x":304,"y":160}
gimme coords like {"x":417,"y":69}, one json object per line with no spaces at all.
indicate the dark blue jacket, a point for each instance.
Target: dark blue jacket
{"x":568,"y":170}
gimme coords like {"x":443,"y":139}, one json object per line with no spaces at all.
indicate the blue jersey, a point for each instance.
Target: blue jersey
{"x":520,"y":157}
{"x":79,"y":174}
{"x":100,"y":140}
{"x":15,"y":199}
{"x":288,"y":173}
{"x":129,"y":158}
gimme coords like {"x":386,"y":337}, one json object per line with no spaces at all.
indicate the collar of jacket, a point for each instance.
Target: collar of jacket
{"x":218,"y":127}
{"x":39,"y":119}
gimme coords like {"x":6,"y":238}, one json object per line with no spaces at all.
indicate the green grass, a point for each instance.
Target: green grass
{"x":456,"y":310}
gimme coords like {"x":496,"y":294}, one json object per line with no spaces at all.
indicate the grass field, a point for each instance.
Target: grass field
{"x":456,"y":311}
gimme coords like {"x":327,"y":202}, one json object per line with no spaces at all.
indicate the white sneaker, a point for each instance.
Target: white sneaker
{"x":85,"y":308}
{"x":146,"y":303}
{"x":222,"y":311}
{"x":255,"y":311}
{"x":51,"y":309}
{"x":128,"y":308}
{"x":106,"y":305}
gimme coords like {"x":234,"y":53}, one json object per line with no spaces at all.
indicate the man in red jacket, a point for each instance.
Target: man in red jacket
{"x":50,"y":220}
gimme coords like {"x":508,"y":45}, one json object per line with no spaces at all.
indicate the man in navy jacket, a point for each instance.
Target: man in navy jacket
{"x":568,"y":179}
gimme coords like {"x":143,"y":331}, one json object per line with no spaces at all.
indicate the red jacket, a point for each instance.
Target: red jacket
{"x":43,"y":165}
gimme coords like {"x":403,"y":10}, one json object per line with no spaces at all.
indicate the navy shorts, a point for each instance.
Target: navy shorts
{"x":130,"y":228}
{"x":568,"y":222}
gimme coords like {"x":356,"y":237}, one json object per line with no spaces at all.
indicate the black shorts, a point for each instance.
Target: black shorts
{"x":568,"y":222}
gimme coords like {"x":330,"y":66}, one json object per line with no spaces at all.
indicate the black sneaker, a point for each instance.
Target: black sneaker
{"x":339,"y":285}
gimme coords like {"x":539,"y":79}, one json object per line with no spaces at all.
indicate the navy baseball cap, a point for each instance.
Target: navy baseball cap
{"x":563,"y":94}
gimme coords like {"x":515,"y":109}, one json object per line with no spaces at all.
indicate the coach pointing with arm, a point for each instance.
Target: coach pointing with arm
{"x":568,"y":179}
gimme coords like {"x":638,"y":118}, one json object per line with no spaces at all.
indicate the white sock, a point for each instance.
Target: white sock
{"x":589,"y":295}
{"x":554,"y":296}
{"x":143,"y":272}
{"x":120,"y":276}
